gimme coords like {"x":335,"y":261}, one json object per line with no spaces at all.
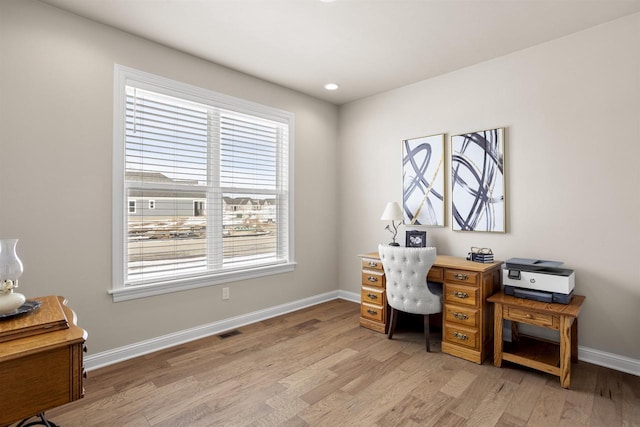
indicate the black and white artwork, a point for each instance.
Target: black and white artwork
{"x":477,"y":181}
{"x":423,"y":180}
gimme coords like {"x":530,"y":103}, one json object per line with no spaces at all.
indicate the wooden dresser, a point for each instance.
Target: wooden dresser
{"x":41,"y":372}
{"x":467,"y":317}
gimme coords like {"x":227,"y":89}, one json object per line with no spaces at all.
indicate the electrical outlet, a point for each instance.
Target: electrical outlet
{"x":225,"y":293}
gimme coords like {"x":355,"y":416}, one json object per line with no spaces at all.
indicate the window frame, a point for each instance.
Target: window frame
{"x":124,"y":76}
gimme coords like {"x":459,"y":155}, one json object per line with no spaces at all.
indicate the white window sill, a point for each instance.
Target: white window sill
{"x":143,"y":291}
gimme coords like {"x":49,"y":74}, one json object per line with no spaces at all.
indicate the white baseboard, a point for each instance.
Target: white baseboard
{"x":141,"y":348}
{"x":609,"y":360}
{"x":109,"y":357}
{"x":349,"y":296}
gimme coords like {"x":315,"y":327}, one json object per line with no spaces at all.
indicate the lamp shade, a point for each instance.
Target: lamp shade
{"x":10,"y":264}
{"x":392,"y":212}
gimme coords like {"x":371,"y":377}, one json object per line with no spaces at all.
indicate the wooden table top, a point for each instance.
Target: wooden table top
{"x":449,"y":261}
{"x":23,"y":346}
{"x":572,"y":309}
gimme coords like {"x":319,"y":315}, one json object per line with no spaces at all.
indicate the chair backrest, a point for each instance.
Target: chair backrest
{"x":406,"y":270}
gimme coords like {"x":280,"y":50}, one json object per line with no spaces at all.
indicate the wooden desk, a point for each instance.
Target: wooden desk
{"x":467,"y":318}
{"x":41,"y":372}
{"x":538,"y":354}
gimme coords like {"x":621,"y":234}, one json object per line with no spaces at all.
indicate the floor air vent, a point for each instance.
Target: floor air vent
{"x":230,"y":334}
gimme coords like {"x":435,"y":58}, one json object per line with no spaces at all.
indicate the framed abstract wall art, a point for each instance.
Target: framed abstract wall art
{"x":423,"y":181}
{"x":477,"y":181}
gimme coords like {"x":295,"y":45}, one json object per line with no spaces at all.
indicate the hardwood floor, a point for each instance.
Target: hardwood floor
{"x":317,"y":367}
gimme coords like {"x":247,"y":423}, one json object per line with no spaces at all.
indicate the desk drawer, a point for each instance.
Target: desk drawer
{"x":532,"y":318}
{"x":460,"y":336}
{"x":373,"y":278}
{"x":373,"y":296}
{"x":371,"y":264}
{"x":461,"y":276}
{"x":463,"y":316}
{"x":436,"y":274}
{"x":460,"y":294}
{"x":372,"y":312}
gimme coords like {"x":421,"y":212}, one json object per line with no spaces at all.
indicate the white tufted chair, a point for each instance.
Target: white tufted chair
{"x":406,"y":270}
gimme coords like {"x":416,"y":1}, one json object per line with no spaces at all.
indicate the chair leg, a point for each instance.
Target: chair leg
{"x":426,"y":331}
{"x":392,"y":323}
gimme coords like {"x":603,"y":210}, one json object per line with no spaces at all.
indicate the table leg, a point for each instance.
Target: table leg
{"x":565,"y":351}
{"x":574,"y":341}
{"x":497,"y":335}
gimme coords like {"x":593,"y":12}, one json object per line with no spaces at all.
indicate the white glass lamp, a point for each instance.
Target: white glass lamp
{"x":392,"y":213}
{"x":10,"y":272}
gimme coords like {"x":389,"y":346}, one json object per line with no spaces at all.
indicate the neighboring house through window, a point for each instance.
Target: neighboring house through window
{"x":206,"y":164}
{"x":198,"y":208}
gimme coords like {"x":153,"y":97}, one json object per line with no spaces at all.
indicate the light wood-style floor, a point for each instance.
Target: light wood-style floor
{"x":317,"y":367}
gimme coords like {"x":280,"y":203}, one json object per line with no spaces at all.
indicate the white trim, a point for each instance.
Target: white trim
{"x":117,"y":202}
{"x":142,"y":291}
{"x":120,"y":289}
{"x":609,"y":360}
{"x":349,"y":296}
{"x":109,"y":357}
{"x":178,"y":89}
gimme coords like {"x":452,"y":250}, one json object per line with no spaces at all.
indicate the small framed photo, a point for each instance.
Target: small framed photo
{"x":416,"y":239}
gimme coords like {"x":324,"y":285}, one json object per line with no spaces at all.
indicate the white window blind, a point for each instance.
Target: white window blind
{"x":216,"y":171}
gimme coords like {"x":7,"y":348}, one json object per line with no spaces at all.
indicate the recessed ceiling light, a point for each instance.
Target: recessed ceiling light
{"x":331,"y":86}
{"x":327,"y":1}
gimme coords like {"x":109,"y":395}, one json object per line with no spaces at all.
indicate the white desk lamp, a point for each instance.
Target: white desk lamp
{"x":392,"y":213}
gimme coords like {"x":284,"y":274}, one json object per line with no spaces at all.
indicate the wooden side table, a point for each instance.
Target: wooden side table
{"x":536,"y":353}
{"x":42,"y":371}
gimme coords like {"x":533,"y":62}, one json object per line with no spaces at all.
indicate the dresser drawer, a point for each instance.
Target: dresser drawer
{"x":460,"y":294}
{"x":372,"y":312}
{"x":436,"y":274}
{"x":461,"y":276}
{"x":463,"y":316}
{"x":460,"y":336}
{"x":373,"y":278}
{"x":371,"y":264}
{"x":532,"y":318}
{"x":373,"y":296}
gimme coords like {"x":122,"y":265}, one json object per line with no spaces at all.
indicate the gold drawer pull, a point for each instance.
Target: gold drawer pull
{"x":459,"y":336}
{"x":373,"y":312}
{"x":528,"y":316}
{"x":373,"y":264}
{"x":460,"y":316}
{"x":460,"y":294}
{"x":372,"y":296}
{"x":372,"y":279}
{"x":460,"y":276}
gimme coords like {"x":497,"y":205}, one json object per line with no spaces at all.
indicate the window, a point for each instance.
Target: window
{"x":198,"y":208}
{"x":218,"y":168}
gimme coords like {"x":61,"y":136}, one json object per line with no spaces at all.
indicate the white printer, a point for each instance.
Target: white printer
{"x":538,"y":280}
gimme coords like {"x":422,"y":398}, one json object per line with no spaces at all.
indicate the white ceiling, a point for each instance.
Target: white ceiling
{"x":366,"y":46}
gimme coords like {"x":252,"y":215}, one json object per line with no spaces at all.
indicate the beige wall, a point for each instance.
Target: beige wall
{"x":571,"y":108}
{"x":56,"y":113}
